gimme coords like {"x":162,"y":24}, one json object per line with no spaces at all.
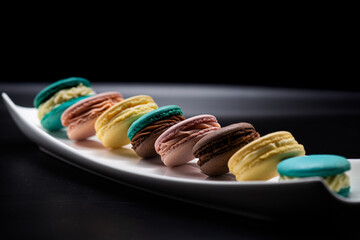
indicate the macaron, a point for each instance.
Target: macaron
{"x":175,"y":144}
{"x":112,"y":125}
{"x":215,"y":149}
{"x":258,"y":159}
{"x":80,"y":117}
{"x":145,"y":130}
{"x":53,"y":100}
{"x":331,"y":168}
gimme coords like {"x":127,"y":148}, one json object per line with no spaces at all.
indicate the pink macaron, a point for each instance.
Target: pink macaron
{"x":176,"y":143}
{"x":80,"y":117}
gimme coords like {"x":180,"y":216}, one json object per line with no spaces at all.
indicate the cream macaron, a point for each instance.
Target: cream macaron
{"x":258,"y":159}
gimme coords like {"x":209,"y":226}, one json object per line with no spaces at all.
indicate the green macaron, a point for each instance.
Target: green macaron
{"x":331,"y":168}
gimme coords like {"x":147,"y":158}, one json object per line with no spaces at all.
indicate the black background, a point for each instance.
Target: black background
{"x":302,"y":46}
{"x":300,"y":54}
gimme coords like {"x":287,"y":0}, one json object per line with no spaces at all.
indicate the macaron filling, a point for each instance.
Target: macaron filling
{"x":336,"y":183}
{"x":61,"y":97}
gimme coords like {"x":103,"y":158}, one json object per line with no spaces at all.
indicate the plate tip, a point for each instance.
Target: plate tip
{"x":8,"y":102}
{"x":5,"y":96}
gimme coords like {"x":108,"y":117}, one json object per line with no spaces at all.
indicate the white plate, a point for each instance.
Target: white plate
{"x":261,"y":199}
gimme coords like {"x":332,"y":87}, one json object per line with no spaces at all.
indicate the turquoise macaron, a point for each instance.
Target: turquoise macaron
{"x":53,"y":88}
{"x":330,"y":167}
{"x":153,"y":116}
{"x":51,"y":120}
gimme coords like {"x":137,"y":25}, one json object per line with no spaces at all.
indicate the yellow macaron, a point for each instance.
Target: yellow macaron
{"x":258,"y":159}
{"x":111,"y":127}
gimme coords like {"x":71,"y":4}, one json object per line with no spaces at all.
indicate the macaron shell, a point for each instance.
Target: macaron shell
{"x":52,"y":120}
{"x":82,"y":131}
{"x":122,"y":110}
{"x":114,"y":136}
{"x":218,"y":165}
{"x":344,"y":191}
{"x":146,"y":149}
{"x":51,"y":89}
{"x":321,"y":165}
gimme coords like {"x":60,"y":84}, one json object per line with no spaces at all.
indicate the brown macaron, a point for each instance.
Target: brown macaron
{"x":215,"y":149}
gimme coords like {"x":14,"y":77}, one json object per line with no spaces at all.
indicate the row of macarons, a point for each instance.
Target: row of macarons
{"x":164,"y":131}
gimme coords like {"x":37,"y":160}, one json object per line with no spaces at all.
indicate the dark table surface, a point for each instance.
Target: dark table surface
{"x":42,"y":197}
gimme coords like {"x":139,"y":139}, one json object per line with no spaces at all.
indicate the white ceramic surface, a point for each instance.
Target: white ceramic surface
{"x":270,"y":199}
